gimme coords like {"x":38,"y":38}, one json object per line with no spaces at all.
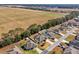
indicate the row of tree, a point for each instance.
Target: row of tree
{"x":53,"y":22}
{"x":11,"y":37}
{"x":18,"y":34}
{"x":45,"y":9}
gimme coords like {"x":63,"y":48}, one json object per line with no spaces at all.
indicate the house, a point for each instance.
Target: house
{"x":75,"y":42}
{"x":63,"y":27}
{"x":49,"y":34}
{"x":77,"y":37}
{"x":39,"y":39}
{"x":64,"y":24}
{"x":56,"y":31}
{"x":71,"y":23}
{"x":71,"y":50}
{"x":29,"y":45}
{"x":63,"y":45}
{"x":77,"y":19}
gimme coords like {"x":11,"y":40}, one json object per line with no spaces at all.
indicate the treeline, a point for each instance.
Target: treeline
{"x":45,"y":9}
{"x":37,"y":8}
{"x":11,"y":37}
{"x":18,"y":34}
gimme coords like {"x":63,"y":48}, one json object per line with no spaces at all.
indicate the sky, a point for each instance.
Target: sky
{"x":39,"y":1}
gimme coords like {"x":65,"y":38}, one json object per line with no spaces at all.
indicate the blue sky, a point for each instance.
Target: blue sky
{"x":39,"y":1}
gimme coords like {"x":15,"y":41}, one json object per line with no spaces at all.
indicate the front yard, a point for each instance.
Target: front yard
{"x":44,"y":46}
{"x":57,"y":36}
{"x":63,"y":32}
{"x":33,"y":51}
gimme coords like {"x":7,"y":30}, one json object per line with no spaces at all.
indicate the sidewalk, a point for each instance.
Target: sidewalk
{"x":49,"y":41}
{"x":38,"y":50}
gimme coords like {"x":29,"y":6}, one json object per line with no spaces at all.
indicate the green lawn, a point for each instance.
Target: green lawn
{"x":21,"y":43}
{"x":70,"y":38}
{"x":63,"y":32}
{"x":30,"y":51}
{"x":57,"y":36}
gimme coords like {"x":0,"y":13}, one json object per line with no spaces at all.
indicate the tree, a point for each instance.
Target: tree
{"x":34,"y":28}
{"x":1,"y":44}
{"x":4,"y":35}
{"x":25,"y":34}
{"x":8,"y":40}
{"x":17,"y":38}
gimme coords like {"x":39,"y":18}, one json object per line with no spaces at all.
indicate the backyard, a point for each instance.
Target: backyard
{"x":70,"y":38}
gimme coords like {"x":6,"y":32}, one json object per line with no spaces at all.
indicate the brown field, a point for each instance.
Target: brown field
{"x":11,"y":18}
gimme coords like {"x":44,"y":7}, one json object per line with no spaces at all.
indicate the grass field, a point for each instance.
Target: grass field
{"x":11,"y":18}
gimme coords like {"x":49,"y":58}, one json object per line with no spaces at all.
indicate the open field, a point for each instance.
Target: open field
{"x":11,"y":18}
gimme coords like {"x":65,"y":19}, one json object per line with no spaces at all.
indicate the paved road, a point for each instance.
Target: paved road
{"x":18,"y":50}
{"x":57,"y":43}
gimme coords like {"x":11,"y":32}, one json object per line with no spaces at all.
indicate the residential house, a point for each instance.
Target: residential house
{"x":39,"y":39}
{"x":75,"y":42}
{"x":29,"y":45}
{"x":71,"y":50}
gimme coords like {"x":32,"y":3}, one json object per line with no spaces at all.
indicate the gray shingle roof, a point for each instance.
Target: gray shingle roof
{"x":39,"y":38}
{"x":29,"y":45}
